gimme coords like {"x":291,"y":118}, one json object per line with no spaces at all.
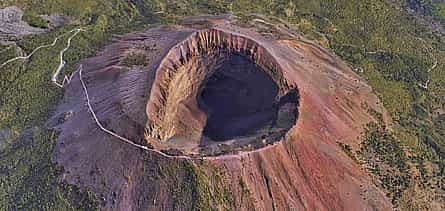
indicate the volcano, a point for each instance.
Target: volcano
{"x":255,"y":108}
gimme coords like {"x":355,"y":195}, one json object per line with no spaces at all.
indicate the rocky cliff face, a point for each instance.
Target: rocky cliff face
{"x":161,"y":87}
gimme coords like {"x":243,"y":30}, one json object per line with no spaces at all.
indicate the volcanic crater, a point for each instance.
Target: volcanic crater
{"x":217,"y":93}
{"x":263,"y":105}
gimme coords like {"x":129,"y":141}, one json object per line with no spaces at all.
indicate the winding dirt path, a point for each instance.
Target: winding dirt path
{"x":435,"y":63}
{"x":36,"y":49}
{"x":66,"y":79}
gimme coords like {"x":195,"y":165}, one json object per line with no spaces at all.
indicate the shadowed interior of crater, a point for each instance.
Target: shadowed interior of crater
{"x":240,"y":99}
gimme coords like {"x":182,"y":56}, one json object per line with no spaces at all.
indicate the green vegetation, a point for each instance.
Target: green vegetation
{"x":392,"y":49}
{"x":187,"y":185}
{"x":24,"y":182}
{"x":439,"y":10}
{"x":386,"y":159}
{"x":191,"y":189}
{"x":29,"y":178}
{"x":434,"y":9}
{"x":222,"y":193}
{"x":34,"y":20}
{"x":348,"y":150}
{"x":138,"y":58}
{"x":245,"y":192}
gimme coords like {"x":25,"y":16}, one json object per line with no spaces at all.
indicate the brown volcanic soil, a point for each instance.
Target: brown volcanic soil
{"x":171,"y":101}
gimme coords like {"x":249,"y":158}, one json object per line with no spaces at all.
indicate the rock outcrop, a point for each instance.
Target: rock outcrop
{"x":161,"y":88}
{"x":11,"y":24}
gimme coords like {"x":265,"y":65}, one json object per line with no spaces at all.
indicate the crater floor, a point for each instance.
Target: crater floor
{"x":239,"y":100}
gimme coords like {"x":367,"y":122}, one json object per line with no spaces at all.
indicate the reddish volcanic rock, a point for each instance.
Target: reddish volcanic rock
{"x":273,"y":166}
